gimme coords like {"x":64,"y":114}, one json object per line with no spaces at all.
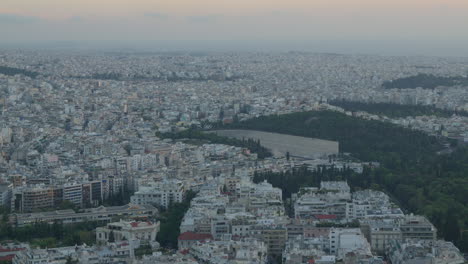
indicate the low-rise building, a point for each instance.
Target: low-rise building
{"x":10,"y":250}
{"x":413,"y":251}
{"x":314,"y":203}
{"x":417,"y":227}
{"x":102,"y":213}
{"x":128,"y":230}
{"x":349,"y":240}
{"x":380,"y":233}
{"x":244,"y":251}
{"x":167,"y":259}
{"x":188,"y":239}
{"x":372,"y":204}
{"x":112,"y":253}
{"x":304,"y":250}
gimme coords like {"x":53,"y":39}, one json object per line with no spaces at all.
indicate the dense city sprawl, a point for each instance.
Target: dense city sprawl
{"x":93,"y":167}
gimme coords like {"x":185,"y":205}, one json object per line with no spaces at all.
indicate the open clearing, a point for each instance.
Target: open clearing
{"x":279,"y":144}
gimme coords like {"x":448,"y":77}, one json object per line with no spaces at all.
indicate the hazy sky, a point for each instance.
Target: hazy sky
{"x":428,"y":27}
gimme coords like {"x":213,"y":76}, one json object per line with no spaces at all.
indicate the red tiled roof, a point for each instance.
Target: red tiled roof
{"x":137,"y":223}
{"x":194,"y":236}
{"x":7,"y":257}
{"x":184,"y":252}
{"x":2,"y":249}
{"x":323,"y":216}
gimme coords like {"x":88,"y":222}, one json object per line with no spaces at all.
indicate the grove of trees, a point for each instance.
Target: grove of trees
{"x":46,"y":235}
{"x":170,"y":220}
{"x":393,"y":110}
{"x":253,"y":145}
{"x":426,"y":81}
{"x":13,"y":71}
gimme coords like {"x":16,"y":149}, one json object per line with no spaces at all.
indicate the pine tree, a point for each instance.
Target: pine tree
{"x":452,"y":227}
{"x":111,"y":237}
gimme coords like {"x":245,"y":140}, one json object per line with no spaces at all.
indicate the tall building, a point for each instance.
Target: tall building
{"x":5,"y":195}
{"x":28,"y":199}
{"x":31,"y":198}
{"x":73,"y":193}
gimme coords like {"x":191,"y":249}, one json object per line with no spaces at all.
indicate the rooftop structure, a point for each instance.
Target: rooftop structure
{"x":128,"y":230}
{"x":411,"y":251}
{"x":188,"y":239}
{"x":102,"y":213}
{"x":417,"y":227}
{"x":344,"y":241}
{"x":83,"y":254}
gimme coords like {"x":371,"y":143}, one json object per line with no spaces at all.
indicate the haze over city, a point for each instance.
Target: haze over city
{"x":415,"y":27}
{"x":234,"y":132}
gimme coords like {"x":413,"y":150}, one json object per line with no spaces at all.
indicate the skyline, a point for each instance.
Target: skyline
{"x":227,"y":132}
{"x":430,"y":27}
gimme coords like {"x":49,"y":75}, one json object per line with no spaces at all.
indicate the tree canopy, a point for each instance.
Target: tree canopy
{"x":13,"y":71}
{"x":51,"y":235}
{"x":426,"y":81}
{"x":170,"y":221}
{"x":194,"y":134}
{"x":393,"y":110}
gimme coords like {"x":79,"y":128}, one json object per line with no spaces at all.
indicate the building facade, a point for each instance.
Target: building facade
{"x":128,"y":230}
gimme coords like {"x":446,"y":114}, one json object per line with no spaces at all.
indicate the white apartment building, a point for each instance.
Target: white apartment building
{"x":162,"y":193}
{"x":313,"y":202}
{"x":345,"y":240}
{"x":128,"y":230}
